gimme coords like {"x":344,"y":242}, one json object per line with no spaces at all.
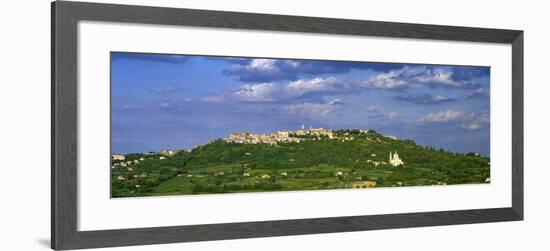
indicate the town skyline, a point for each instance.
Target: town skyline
{"x":177,"y":101}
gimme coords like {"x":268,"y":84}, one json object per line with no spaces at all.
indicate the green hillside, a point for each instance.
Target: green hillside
{"x":352,"y":157}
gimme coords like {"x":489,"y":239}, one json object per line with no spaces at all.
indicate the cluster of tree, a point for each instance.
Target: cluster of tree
{"x":139,"y":179}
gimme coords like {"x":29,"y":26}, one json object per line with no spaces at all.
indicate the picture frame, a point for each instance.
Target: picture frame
{"x":64,"y":195}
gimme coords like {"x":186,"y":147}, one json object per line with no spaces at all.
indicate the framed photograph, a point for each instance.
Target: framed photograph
{"x":176,"y":125}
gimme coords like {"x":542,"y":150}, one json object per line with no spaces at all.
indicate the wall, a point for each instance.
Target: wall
{"x":25,"y":109}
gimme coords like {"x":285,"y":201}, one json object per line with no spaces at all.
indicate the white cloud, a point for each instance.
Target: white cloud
{"x":258,"y":92}
{"x":314,"y":110}
{"x":394,"y":115}
{"x":478,"y":122}
{"x":467,"y":120}
{"x":330,"y":84}
{"x":375,"y":108}
{"x":439,"y":98}
{"x":445,"y":116}
{"x":262,"y":64}
{"x":336,"y":102}
{"x":410,"y":77}
{"x":130,"y":108}
{"x":389,"y":80}
{"x":406,"y":77}
{"x":437,"y":75}
{"x":424,"y":99}
{"x":263,"y":70}
{"x":213,"y":99}
{"x":267,"y":92}
{"x":478,"y":93}
{"x":164,"y":105}
{"x":471,"y":126}
{"x":259,"y":64}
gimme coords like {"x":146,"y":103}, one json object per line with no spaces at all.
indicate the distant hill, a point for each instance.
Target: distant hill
{"x":350,"y":158}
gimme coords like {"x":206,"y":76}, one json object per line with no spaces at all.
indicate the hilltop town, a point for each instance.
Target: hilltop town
{"x":281,"y":136}
{"x":302,"y":159}
{"x":306,"y":134}
{"x":289,"y":136}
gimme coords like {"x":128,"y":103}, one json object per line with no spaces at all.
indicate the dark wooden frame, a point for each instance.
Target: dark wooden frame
{"x":66,"y":15}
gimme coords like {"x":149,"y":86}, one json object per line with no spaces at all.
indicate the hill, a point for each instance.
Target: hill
{"x":348,"y":159}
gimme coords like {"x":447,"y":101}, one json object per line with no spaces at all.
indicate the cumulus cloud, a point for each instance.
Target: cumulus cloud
{"x":445,"y":116}
{"x":478,"y":122}
{"x":263,"y":92}
{"x":262,"y":70}
{"x":262,"y":64}
{"x":424,"y":99}
{"x":389,"y":76}
{"x":313,"y":110}
{"x":396,"y":79}
{"x":390,"y":80}
{"x":466,"y":120}
{"x":266,"y":70}
{"x":317,"y":85}
{"x":478,"y":93}
{"x":415,"y":76}
{"x":269,"y":92}
{"x":336,"y":102}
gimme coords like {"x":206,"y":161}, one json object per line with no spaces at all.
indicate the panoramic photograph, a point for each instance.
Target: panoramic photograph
{"x":197,"y":124}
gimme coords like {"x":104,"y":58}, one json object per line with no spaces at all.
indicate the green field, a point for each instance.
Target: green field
{"x":221,"y":167}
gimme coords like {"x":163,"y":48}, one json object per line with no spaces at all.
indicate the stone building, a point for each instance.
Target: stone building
{"x":278,"y":136}
{"x":321,"y":132}
{"x":363,"y":184}
{"x":238,"y":137}
{"x":168,"y":152}
{"x":118,"y":157}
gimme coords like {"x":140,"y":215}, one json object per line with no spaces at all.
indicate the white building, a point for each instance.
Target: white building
{"x":391,"y":137}
{"x":118,"y":157}
{"x":168,"y":152}
{"x":394,"y":159}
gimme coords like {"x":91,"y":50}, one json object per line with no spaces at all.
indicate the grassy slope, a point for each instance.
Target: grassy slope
{"x":309,"y":165}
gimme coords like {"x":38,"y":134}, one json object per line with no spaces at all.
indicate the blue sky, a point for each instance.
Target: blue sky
{"x":177,"y":101}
